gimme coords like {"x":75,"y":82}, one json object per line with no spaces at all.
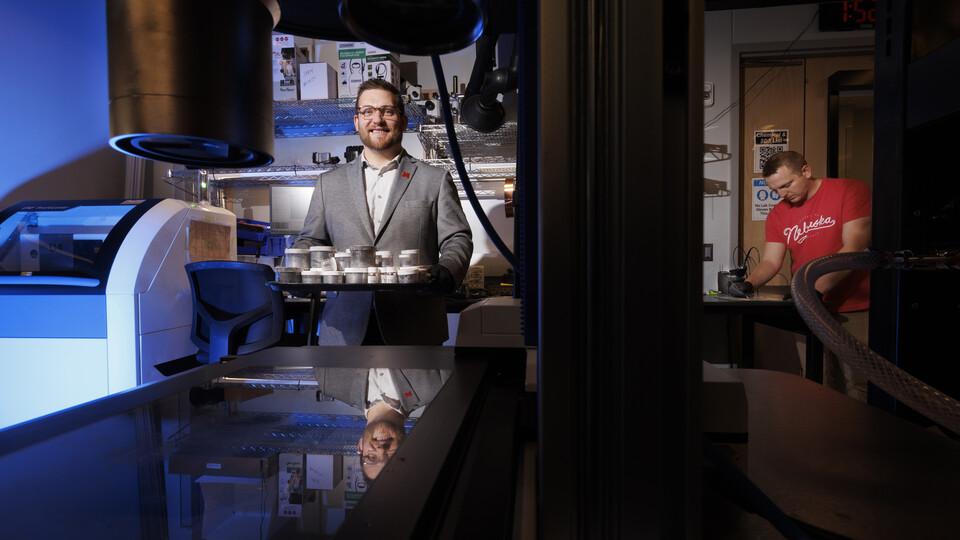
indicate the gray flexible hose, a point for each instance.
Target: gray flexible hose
{"x":913,"y":392}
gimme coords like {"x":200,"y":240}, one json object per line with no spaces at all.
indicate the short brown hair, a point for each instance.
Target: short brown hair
{"x":381,"y":84}
{"x":789,"y":159}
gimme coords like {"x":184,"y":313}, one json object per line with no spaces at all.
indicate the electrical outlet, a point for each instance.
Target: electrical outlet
{"x":708,"y":252}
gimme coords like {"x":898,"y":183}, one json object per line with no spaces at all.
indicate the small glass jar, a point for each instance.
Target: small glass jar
{"x":373,"y":274}
{"x":314,"y":275}
{"x":332,"y":276}
{"x":409,"y":257}
{"x":329,"y":264}
{"x":355,"y":276}
{"x":362,"y":256}
{"x":343,"y":260}
{"x":320,"y":253}
{"x":296,"y":258}
{"x":287,"y":274}
{"x":384,"y":258}
{"x":408,"y":274}
{"x":388,"y":274}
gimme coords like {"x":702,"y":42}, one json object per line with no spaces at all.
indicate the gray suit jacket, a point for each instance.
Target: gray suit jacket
{"x":423,"y":212}
{"x":417,"y":387}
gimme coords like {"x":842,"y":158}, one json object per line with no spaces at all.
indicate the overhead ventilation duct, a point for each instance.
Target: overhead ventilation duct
{"x":415,"y":27}
{"x":190,"y":81}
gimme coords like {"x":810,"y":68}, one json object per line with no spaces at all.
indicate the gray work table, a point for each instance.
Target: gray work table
{"x":843,"y":466}
{"x":765,"y":307}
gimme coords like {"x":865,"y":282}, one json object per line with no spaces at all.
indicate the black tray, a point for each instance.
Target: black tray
{"x":306,"y":288}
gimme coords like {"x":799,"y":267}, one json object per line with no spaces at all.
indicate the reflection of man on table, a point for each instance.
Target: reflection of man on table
{"x":387,"y":397}
{"x":388,"y":199}
{"x":815,"y":218}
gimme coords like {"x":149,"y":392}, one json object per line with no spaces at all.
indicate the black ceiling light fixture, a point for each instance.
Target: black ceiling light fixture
{"x":190,"y":81}
{"x":415,"y":27}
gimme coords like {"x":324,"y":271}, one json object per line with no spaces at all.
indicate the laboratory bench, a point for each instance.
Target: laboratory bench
{"x":768,"y":306}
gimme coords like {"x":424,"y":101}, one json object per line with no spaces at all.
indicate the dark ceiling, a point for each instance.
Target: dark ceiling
{"x":320,"y":19}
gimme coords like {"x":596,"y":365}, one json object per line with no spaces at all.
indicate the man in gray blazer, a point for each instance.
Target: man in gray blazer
{"x":387,"y":397}
{"x":388,"y":199}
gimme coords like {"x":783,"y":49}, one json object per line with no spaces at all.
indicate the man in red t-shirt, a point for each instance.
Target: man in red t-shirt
{"x":818,"y":217}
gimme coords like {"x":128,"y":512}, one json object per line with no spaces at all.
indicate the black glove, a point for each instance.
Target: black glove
{"x":440,"y":280}
{"x":740,"y":289}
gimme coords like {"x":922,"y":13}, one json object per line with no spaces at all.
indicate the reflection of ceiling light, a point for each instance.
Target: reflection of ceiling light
{"x":415,"y":27}
{"x":190,"y":81}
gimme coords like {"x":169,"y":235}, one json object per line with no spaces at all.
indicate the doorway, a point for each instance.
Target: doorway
{"x":850,"y":125}
{"x":787,"y":107}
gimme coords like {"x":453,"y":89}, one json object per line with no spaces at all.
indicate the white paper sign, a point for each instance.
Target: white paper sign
{"x":319,"y":471}
{"x":764,"y":199}
{"x":767,"y":142}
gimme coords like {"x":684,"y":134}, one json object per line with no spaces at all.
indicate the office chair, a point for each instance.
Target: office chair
{"x":235,"y":311}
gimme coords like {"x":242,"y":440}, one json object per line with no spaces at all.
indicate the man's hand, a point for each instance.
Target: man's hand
{"x":740,"y":289}
{"x":440,"y":280}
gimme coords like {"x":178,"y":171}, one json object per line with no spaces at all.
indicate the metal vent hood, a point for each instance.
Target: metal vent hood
{"x":190,"y":81}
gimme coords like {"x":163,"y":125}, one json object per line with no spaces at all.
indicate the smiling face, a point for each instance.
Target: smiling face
{"x":380,"y":441}
{"x":795,"y":187}
{"x":376,"y":132}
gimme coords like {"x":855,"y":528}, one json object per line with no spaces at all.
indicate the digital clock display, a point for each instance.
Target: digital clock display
{"x":848,"y":15}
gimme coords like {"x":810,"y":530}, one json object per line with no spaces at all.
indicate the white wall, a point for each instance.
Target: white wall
{"x":720,"y":213}
{"x":727,"y":35}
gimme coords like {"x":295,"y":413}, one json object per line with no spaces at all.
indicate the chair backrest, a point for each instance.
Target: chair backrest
{"x":234,"y":309}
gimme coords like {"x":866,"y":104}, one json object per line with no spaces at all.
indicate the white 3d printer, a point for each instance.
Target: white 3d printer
{"x":93,"y":295}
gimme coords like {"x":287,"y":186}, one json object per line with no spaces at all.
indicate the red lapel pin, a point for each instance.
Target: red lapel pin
{"x":407,"y":394}
{"x":405,"y":174}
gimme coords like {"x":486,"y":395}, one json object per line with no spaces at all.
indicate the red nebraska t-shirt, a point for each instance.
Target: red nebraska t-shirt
{"x":814,"y":229}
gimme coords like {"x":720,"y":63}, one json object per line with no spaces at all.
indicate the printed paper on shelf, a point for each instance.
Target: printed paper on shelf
{"x":360,"y":61}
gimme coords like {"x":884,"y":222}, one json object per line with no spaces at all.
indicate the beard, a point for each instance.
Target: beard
{"x":382,"y":141}
{"x":385,"y":427}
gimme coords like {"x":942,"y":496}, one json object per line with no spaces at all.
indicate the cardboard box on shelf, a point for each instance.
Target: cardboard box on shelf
{"x":287,"y":58}
{"x":318,"y":80}
{"x":360,"y":61}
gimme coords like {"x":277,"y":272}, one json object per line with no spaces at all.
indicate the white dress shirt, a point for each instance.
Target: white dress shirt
{"x":378,"y":183}
{"x":380,"y":387}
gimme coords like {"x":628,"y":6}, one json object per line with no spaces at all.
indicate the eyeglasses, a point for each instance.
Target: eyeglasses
{"x":387,"y":111}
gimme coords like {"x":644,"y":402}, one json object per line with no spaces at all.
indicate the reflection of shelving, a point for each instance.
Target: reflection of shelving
{"x":247,"y":441}
{"x":248,"y":177}
{"x":325,"y":117}
{"x":499,"y":146}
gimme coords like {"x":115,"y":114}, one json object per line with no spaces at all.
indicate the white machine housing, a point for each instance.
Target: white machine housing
{"x":147,"y":305}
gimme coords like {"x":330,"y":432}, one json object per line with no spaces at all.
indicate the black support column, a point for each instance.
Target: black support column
{"x":621,"y":174}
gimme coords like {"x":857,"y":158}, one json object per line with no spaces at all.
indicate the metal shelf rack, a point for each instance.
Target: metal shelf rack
{"x":488,"y":157}
{"x":499,"y":146}
{"x":486,"y":177}
{"x":326,"y":117}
